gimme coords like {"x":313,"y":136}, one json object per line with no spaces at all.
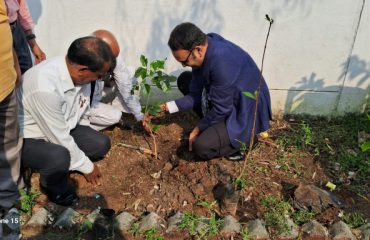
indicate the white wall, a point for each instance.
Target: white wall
{"x":317,"y":60}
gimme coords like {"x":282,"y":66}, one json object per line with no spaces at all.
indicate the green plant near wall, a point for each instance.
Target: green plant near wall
{"x":151,"y":73}
{"x":366,"y":145}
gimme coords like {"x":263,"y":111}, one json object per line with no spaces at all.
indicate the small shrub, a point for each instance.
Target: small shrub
{"x":354,"y":220}
{"x":28,"y":201}
{"x":274,"y":214}
{"x":245,"y":234}
{"x":303,"y":216}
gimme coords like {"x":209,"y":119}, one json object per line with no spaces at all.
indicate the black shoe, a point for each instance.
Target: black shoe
{"x":238,"y":156}
{"x":68,"y":198}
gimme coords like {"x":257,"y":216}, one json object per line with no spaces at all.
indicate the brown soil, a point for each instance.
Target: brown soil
{"x":177,"y":180}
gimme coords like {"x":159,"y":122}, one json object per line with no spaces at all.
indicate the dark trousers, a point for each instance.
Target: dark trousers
{"x":20,"y":45}
{"x":214,"y":141}
{"x":53,"y":161}
{"x":10,"y":149}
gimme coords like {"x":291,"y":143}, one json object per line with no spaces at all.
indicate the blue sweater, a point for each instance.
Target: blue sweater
{"x":228,"y":71}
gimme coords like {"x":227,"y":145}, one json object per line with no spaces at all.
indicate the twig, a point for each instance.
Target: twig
{"x":251,"y":142}
{"x":268,"y":142}
{"x":141,"y":149}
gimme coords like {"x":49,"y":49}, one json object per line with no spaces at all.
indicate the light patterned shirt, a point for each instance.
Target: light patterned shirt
{"x":51,"y":106}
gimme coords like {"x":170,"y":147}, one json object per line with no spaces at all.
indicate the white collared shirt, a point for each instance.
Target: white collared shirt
{"x":51,"y":106}
{"x":125,"y":80}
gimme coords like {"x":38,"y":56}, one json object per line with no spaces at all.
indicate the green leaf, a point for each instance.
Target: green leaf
{"x":141,"y":72}
{"x":155,"y":127}
{"x":144,"y":61}
{"x":154,"y":109}
{"x":146,"y":89}
{"x":165,"y":86}
{"x":368,"y":117}
{"x":157,"y":64}
{"x":250,"y":95}
{"x":365,"y":146}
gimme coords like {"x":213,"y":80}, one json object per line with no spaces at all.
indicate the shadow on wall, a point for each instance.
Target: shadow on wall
{"x":166,"y":20}
{"x":311,"y":96}
{"x":35,"y":8}
{"x":281,"y":7}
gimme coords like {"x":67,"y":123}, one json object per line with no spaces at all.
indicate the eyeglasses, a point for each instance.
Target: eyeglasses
{"x":186,"y":60}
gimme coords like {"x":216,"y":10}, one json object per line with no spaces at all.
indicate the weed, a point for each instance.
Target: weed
{"x":85,"y":227}
{"x":307,"y":133}
{"x":245,"y":234}
{"x":151,"y":234}
{"x":134,"y":229}
{"x":28,"y":201}
{"x":240,"y":183}
{"x":189,"y":221}
{"x":214,"y":225}
{"x":274,"y":214}
{"x":209,"y":205}
{"x":303,"y":216}
{"x":354,"y":220}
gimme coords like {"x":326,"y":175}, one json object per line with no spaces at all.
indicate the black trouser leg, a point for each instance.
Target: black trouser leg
{"x":51,"y":160}
{"x":183,"y":84}
{"x":93,"y":143}
{"x":213,"y":142}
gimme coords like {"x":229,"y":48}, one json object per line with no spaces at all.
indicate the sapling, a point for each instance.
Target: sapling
{"x":152,"y":73}
{"x":237,"y":183}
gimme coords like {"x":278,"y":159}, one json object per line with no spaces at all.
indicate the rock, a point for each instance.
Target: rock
{"x":67,"y":219}
{"x":314,"y":230}
{"x":292,"y":232}
{"x":103,"y":227}
{"x":167,"y":167}
{"x":150,"y":208}
{"x":230,"y":226}
{"x":174,"y":221}
{"x":340,"y":231}
{"x":152,"y":220}
{"x":39,"y":219}
{"x":312,"y":197}
{"x":10,"y":225}
{"x":124,"y":221}
{"x":365,"y":231}
{"x":257,"y":230}
{"x":92,"y":216}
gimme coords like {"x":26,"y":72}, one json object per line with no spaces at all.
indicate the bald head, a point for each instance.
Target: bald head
{"x":108,"y":38}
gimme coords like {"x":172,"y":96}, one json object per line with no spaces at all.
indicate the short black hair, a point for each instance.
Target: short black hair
{"x":186,"y":36}
{"x":91,"y":52}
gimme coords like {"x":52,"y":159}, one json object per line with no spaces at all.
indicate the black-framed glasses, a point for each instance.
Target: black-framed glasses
{"x":186,"y":60}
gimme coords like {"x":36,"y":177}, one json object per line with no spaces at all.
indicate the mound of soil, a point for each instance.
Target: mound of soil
{"x":177,"y":180}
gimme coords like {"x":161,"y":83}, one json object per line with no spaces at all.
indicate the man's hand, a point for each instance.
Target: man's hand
{"x":193,"y":135}
{"x":146,"y":123}
{"x":163,"y":107}
{"x":94,"y":176}
{"x":36,"y":50}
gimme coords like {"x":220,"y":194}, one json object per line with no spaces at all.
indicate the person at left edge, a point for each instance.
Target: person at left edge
{"x":53,"y":96}
{"x":21,"y":24}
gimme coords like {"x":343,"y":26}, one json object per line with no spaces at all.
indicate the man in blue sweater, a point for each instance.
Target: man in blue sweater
{"x":221,"y":72}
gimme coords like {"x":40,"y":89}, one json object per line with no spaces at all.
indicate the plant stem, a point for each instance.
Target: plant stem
{"x":251,"y":142}
{"x":151,"y":132}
